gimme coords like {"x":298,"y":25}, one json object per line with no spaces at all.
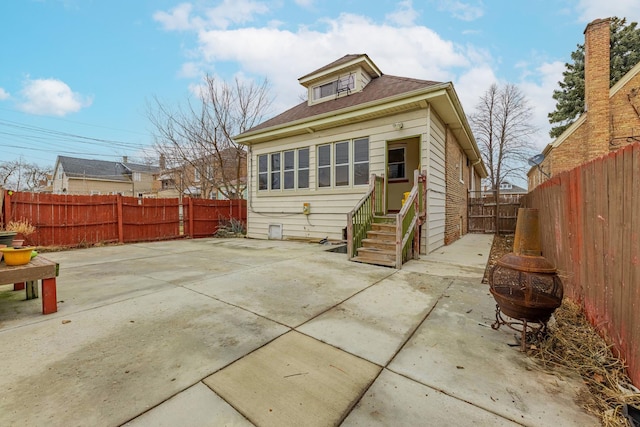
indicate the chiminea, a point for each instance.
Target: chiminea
{"x":524,"y":284}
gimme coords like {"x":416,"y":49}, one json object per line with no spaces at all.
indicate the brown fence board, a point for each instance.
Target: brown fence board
{"x":75,"y":220}
{"x":482,"y":213}
{"x":590,"y":229}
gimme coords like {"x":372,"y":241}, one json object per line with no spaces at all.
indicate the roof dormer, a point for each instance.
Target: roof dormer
{"x":347,"y":75}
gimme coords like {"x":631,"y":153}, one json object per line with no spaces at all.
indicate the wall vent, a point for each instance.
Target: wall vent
{"x":275,"y":231}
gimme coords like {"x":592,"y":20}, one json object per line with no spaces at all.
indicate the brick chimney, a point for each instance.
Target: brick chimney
{"x":596,"y":87}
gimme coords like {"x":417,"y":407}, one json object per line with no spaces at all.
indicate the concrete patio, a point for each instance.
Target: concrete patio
{"x":221,"y":332}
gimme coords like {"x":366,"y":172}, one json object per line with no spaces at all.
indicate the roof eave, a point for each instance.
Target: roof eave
{"x":308,"y":124}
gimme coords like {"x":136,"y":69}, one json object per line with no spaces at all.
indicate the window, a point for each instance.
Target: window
{"x":303,"y":168}
{"x":361,"y":161}
{"x":278,"y":170}
{"x":343,"y":84}
{"x":263,"y":172}
{"x":342,"y":163}
{"x":397,"y":164}
{"x":196,"y":174}
{"x":339,"y":164}
{"x":343,"y":171}
{"x":324,"y":166}
{"x":137,"y":176}
{"x":461,"y":168}
{"x":275,"y":171}
{"x":289,"y":170}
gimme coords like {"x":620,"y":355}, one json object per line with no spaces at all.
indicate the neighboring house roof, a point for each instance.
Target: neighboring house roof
{"x":100,"y":169}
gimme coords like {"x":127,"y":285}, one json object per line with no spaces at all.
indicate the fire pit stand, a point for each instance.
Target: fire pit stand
{"x":524,"y":284}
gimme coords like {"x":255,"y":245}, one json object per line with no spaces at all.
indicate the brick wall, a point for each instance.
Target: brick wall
{"x":596,"y":88}
{"x":611,"y":119}
{"x":457,"y":190}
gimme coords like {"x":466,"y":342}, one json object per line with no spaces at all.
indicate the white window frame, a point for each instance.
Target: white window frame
{"x":332,"y":167}
{"x":404,"y":162}
{"x":335,"y":87}
{"x":461,"y":167}
{"x":268,"y":174}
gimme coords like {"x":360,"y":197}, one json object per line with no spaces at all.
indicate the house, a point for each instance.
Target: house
{"x":506,"y":189}
{"x":355,"y":143}
{"x":221,"y":175}
{"x":612,"y":116}
{"x":72,"y":175}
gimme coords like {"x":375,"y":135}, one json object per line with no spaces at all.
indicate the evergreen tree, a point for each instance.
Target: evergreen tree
{"x":625,"y":54}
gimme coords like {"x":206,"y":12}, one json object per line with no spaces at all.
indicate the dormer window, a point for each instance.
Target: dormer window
{"x":344,"y":84}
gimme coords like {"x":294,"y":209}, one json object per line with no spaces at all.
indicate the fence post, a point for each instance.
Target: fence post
{"x":120,"y":219}
{"x":191,"y":217}
{"x":7,"y":208}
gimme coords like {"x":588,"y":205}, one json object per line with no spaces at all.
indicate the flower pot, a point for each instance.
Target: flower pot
{"x":17,"y":243}
{"x":19,"y":256}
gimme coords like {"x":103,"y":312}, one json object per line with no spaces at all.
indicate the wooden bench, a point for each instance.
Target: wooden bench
{"x":40,"y":268}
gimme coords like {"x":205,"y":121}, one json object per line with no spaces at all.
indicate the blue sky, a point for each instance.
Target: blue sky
{"x":76,"y":75}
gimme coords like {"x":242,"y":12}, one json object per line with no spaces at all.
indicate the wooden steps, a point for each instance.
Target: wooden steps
{"x":379,"y":247}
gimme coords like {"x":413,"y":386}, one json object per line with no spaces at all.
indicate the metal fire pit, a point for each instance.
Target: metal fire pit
{"x":524,"y":284}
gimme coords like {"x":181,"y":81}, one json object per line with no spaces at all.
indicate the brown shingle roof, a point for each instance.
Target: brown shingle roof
{"x":335,"y":63}
{"x":382,"y":87}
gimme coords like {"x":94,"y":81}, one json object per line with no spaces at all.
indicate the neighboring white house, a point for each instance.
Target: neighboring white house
{"x":309,"y":166}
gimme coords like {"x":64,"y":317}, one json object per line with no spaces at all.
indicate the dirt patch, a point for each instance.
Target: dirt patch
{"x":572,"y":343}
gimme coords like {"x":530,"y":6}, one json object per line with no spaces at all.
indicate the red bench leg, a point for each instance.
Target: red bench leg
{"x":49,"y":297}
{"x":18,"y":286}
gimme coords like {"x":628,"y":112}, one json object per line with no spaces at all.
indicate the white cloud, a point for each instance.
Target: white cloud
{"x":465,"y":11}
{"x":305,"y":3}
{"x":538,"y":87}
{"x":229,"y":12}
{"x":51,"y":97}
{"x":594,"y":9}
{"x":405,"y":16}
{"x":4,"y":94}
{"x":283,"y":56}
{"x":177,"y":20}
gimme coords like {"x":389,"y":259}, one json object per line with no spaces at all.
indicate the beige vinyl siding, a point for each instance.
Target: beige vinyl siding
{"x":96,"y":186}
{"x":364,"y":79}
{"x":436,"y":194}
{"x":329,"y":207}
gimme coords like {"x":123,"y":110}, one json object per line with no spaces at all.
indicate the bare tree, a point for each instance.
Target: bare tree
{"x":195,"y":140}
{"x":504,"y":132}
{"x":19,"y":175}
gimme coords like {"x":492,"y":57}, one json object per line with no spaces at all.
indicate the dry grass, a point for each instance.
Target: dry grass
{"x":573,"y":344}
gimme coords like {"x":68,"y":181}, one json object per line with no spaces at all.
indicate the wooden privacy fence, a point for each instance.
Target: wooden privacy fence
{"x":590,"y":229}
{"x":71,"y":220}
{"x":482,"y":212}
